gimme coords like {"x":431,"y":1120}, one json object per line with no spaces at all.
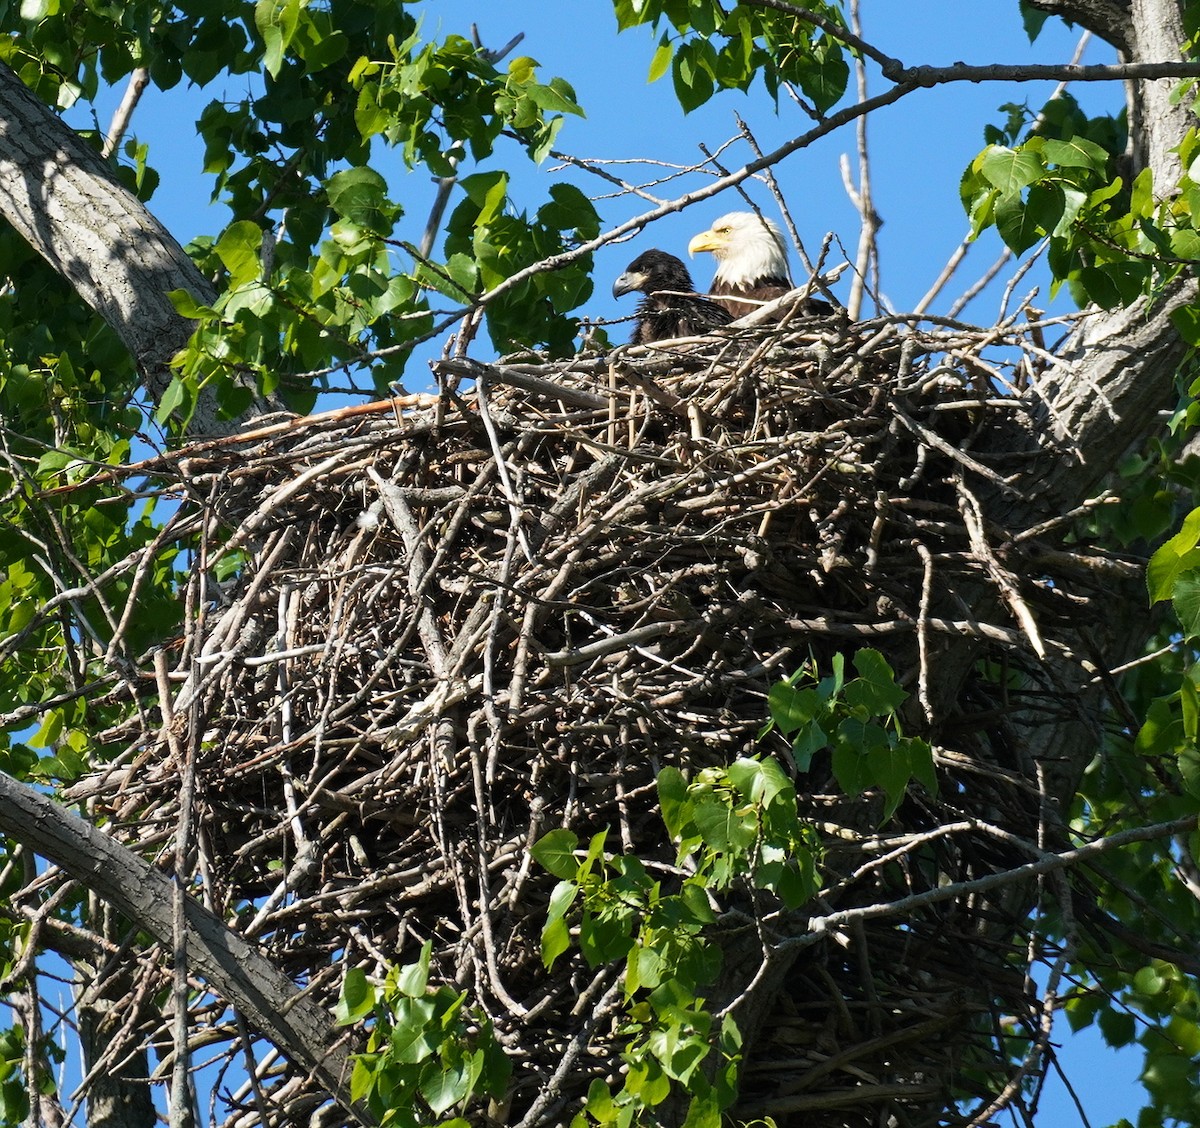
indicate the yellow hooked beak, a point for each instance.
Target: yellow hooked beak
{"x":706,"y":241}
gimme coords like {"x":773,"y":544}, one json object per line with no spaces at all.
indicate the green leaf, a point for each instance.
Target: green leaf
{"x":1161,"y":733}
{"x":1078,"y":152}
{"x":359,"y":196}
{"x":674,"y":801}
{"x":1186,"y":320}
{"x":850,"y":769}
{"x":599,"y":1101}
{"x":557,"y":97}
{"x":703,"y":1112}
{"x":1016,"y":223}
{"x":1186,"y":601}
{"x":792,"y":708}
{"x":1033,"y":18}
{"x":889,"y":769}
{"x":724,"y":828}
{"x":920,"y":763}
{"x":556,"y":937}
{"x":603,"y":939}
{"x":276,"y":21}
{"x":1189,"y":769}
{"x":1141,"y":196}
{"x":1010,"y":170}
{"x":1174,"y":558}
{"x":1118,"y":1026}
{"x":416,"y":1033}
{"x":238,"y":248}
{"x":875,"y":689}
{"x":187,"y":306}
{"x":413,"y":979}
{"x":660,"y":63}
{"x":357,"y":998}
{"x":555,"y":852}
{"x":443,"y":1086}
{"x":807,"y":744}
{"x":692,"y":73}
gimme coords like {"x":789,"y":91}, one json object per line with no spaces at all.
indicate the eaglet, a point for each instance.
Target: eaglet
{"x":669,"y":308}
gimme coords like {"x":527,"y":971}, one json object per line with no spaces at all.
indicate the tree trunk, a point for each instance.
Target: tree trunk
{"x":63,"y":198}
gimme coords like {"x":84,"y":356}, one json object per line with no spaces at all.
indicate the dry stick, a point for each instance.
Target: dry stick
{"x":139,"y":79}
{"x":396,"y":506}
{"x":180,"y":1110}
{"x":961,"y":457}
{"x":972,"y":515}
{"x":549,"y":1095}
{"x":830,"y":922}
{"x":594,"y":166}
{"x":483,"y":805}
{"x":948,"y":271}
{"x":972,"y":292}
{"x":867,"y":257}
{"x":923,"y":630}
{"x":1041,"y":1042}
{"x":516,"y":512}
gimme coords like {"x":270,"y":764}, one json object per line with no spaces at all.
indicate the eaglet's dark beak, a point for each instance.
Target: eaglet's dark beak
{"x":628,"y":282}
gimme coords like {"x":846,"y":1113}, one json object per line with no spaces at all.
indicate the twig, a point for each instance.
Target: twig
{"x":139,"y":79}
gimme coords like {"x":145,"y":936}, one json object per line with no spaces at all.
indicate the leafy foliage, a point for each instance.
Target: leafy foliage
{"x":1109,"y":239}
{"x":427,"y":1052}
{"x":858,"y":721}
{"x":717,"y":49}
{"x":734,"y":827}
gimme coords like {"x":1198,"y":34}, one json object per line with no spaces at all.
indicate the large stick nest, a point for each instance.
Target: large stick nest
{"x":467,"y":620}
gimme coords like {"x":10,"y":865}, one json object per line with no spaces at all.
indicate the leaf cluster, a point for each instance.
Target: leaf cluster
{"x":858,"y":722}
{"x":731,"y":825}
{"x":427,"y":1052}
{"x":1109,"y":238}
{"x":709,"y":48}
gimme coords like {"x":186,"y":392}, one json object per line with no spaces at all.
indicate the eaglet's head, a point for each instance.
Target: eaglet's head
{"x":746,"y":246}
{"x":652,"y":271}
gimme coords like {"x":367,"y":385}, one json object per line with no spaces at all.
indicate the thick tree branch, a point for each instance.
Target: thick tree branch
{"x":927,"y":76}
{"x":1109,"y":19}
{"x":233,"y":966}
{"x":63,"y":198}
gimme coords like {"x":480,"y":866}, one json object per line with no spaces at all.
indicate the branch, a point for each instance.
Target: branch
{"x":139,"y":79}
{"x":67,"y":203}
{"x":924,"y":77}
{"x":233,"y":966}
{"x":1047,"y":863}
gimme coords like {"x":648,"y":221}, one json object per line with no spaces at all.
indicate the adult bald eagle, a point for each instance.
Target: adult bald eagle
{"x":670,"y":307}
{"x":751,"y":263}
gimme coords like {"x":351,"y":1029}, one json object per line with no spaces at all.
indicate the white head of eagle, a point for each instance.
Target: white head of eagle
{"x":751,"y":260}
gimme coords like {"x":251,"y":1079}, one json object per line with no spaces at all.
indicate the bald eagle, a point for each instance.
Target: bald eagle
{"x":670,"y":307}
{"x":751,"y":263}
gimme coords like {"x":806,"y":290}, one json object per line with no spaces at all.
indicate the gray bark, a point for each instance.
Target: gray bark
{"x":1117,"y":370}
{"x":115,"y":1098}
{"x":65,"y":201}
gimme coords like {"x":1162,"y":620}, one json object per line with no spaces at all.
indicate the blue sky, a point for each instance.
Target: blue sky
{"x":918,"y":148}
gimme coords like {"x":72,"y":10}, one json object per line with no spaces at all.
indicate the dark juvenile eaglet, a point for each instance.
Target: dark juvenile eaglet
{"x":670,"y":307}
{"x":751,"y":263}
